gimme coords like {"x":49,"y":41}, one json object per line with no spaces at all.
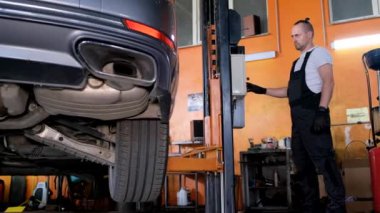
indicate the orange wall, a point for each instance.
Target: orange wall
{"x":266,"y":116}
{"x":189,"y":82}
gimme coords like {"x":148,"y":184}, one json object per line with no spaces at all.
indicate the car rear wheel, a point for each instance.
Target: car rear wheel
{"x":140,"y":163}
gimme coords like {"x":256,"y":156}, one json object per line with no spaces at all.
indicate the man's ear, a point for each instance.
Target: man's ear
{"x":310,"y":34}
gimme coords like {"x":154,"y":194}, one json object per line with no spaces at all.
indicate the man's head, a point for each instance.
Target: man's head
{"x":302,"y":35}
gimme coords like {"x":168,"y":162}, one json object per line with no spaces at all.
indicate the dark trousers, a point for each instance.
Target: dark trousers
{"x":314,"y":153}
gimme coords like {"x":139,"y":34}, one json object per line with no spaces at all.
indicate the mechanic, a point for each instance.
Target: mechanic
{"x":309,"y":92}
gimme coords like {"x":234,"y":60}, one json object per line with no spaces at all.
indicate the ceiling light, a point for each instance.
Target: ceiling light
{"x":356,"y":42}
{"x":260,"y":56}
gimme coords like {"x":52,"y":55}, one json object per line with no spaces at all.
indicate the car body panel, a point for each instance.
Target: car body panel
{"x":53,"y":68}
{"x":71,"y":25}
{"x":155,"y":13}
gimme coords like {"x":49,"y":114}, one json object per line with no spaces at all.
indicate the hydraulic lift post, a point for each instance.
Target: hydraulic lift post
{"x":217,"y":154}
{"x":224,"y":64}
{"x":220,"y":22}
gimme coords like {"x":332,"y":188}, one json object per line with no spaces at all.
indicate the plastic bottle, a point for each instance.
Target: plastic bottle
{"x":182,"y":197}
{"x":275,"y":178}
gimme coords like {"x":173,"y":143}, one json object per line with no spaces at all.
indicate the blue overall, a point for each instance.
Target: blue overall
{"x":312,"y":152}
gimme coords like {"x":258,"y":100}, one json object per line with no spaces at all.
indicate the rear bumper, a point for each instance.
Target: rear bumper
{"x":39,"y":45}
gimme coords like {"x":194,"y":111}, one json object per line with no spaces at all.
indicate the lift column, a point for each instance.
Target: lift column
{"x":217,"y":91}
{"x":224,"y":64}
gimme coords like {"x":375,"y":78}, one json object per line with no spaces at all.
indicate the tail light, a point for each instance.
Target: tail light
{"x":142,"y":28}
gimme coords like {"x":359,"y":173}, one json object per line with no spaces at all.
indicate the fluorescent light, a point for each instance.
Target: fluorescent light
{"x":260,"y":56}
{"x":356,"y":42}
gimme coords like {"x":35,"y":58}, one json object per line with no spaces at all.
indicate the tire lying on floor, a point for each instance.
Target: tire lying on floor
{"x":140,"y":163}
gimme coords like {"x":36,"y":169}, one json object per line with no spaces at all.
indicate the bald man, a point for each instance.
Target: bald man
{"x":309,"y":91}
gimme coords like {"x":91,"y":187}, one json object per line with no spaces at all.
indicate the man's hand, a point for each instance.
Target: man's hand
{"x":256,"y":89}
{"x":321,"y":121}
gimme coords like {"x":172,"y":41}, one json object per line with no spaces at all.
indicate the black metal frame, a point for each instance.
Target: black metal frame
{"x":221,"y":15}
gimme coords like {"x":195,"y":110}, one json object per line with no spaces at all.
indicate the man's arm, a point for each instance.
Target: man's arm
{"x":278,"y":92}
{"x":274,"y":92}
{"x":327,"y":77}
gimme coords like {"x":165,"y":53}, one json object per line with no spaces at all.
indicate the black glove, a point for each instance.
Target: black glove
{"x":256,"y":89}
{"x":321,"y":121}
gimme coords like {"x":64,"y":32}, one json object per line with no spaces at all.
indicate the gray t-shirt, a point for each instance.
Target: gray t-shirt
{"x":320,"y":56}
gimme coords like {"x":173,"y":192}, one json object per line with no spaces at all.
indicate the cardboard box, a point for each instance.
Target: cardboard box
{"x":357,"y":177}
{"x":357,"y":180}
{"x":251,"y":25}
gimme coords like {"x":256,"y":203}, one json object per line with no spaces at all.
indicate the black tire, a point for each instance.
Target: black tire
{"x":140,"y":161}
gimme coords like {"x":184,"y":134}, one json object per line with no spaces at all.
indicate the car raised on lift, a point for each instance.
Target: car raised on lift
{"x":87,"y":87}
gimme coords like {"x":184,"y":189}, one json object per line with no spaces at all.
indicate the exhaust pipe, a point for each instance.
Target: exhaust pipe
{"x":35,"y":116}
{"x":124,"y":67}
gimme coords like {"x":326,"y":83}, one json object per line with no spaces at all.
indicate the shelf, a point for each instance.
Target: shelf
{"x":263,"y":164}
{"x":174,"y":155}
{"x":267,"y":187}
{"x":266,"y":151}
{"x":187,"y":143}
{"x":269,"y":208}
{"x":181,"y":207}
{"x":258,"y":167}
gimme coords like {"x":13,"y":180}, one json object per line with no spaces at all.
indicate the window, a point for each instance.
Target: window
{"x":253,"y":7}
{"x":189,"y":23}
{"x":348,"y":10}
{"x":188,"y":19}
